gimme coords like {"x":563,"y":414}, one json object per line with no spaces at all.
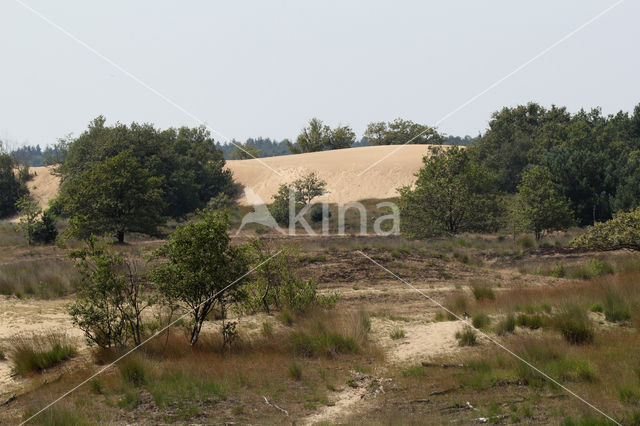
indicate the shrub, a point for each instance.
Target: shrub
{"x":575,"y":325}
{"x":36,"y":353}
{"x":596,"y":307}
{"x":267,"y":328}
{"x":467,"y":337}
{"x":558,"y":270}
{"x":600,"y":267}
{"x":317,"y":213}
{"x":506,"y":325}
{"x":332,"y":343}
{"x":286,"y":318}
{"x":629,"y":395}
{"x":526,"y":242}
{"x":481,"y":320}
{"x":482,"y":290}
{"x":295,"y":371}
{"x":397,"y":333}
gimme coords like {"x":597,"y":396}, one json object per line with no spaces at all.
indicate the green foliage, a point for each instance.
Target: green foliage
{"x":113,"y":197}
{"x":317,"y":213}
{"x":178,"y":388}
{"x":29,"y":212}
{"x":11,"y":189}
{"x":574,"y":324}
{"x":467,"y":337}
{"x":451,"y":195}
{"x":616,"y":308}
{"x":295,"y":371}
{"x":482,"y":290}
{"x":36,"y":353}
{"x":276,"y":284}
{"x":506,"y":325}
{"x":400,"y":132}
{"x":319,"y":137}
{"x":300,"y":192}
{"x":539,"y":208}
{"x":322,"y":342}
{"x":133,"y":370}
{"x":188,"y":167}
{"x":197,"y":263}
{"x":621,"y":232}
{"x":110,"y":300}
{"x":481,"y":320}
{"x":245,"y":151}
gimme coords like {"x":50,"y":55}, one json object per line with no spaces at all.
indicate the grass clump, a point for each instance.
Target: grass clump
{"x":133,"y":370}
{"x":616,"y":308}
{"x":533,"y":322}
{"x":629,"y":395}
{"x":467,"y":337}
{"x":575,"y":325}
{"x":482,"y":290}
{"x":185,"y":390}
{"x":36,"y":353}
{"x":481,"y":320}
{"x":397,"y":333}
{"x":295,"y":371}
{"x":315,"y":344}
{"x":267,"y":328}
{"x":506,"y":325}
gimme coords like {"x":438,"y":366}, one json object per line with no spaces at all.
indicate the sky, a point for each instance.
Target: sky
{"x":264,"y":68}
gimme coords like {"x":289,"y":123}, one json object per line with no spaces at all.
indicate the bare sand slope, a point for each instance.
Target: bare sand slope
{"x":338,"y":168}
{"x":44,"y":185}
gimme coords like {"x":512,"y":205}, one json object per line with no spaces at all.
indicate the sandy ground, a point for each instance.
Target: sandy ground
{"x":339,"y":168}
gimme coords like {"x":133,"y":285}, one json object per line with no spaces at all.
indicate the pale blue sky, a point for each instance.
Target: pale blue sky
{"x":263,"y":68}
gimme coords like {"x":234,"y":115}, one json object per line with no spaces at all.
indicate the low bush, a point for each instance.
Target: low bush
{"x":481,"y":320}
{"x":575,"y":325}
{"x":526,"y":242}
{"x":36,"y":353}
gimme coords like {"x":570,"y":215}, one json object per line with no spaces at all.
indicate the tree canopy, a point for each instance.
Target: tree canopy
{"x":452,"y":194}
{"x":539,"y":207}
{"x":621,"y":232}
{"x":186,"y":161}
{"x":317,"y":136}
{"x":11,"y":189}
{"x":399,"y":132}
{"x":113,"y":197}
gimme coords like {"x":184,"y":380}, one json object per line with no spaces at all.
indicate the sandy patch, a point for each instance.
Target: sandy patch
{"x":339,"y":168}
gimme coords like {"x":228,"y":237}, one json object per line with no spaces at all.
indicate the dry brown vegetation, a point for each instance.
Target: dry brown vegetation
{"x":379,"y":355}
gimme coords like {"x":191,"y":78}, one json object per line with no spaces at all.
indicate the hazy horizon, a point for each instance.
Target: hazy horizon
{"x":263,"y":70}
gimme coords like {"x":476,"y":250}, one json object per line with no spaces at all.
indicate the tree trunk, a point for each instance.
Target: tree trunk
{"x":120,"y":236}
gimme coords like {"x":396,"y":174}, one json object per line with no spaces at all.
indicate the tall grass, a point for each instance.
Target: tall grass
{"x":38,"y":352}
{"x":44,"y":279}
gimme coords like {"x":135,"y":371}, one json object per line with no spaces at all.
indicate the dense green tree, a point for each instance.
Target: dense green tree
{"x":301,"y":192}
{"x":621,"y":232}
{"x":11,"y":189}
{"x":190,"y":167}
{"x":29,"y":212}
{"x":399,"y":132}
{"x":539,"y":207}
{"x":452,"y":194}
{"x":113,"y":197}
{"x":518,"y":137}
{"x":317,"y":136}
{"x":198,"y":262}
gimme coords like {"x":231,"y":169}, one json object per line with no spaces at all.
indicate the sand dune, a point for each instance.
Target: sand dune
{"x":338,"y":168}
